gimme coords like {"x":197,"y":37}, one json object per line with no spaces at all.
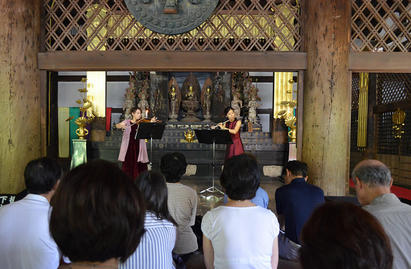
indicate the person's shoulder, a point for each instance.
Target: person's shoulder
{"x":187,"y":189}
{"x":282,"y":188}
{"x":315,"y":189}
{"x":261,"y":191}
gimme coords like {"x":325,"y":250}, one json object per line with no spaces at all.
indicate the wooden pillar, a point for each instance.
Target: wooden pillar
{"x":327,"y":93}
{"x":20,"y":133}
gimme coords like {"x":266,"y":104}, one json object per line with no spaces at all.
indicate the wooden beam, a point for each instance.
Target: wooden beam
{"x":300,"y":114}
{"x":404,"y":105}
{"x":171,"y":61}
{"x":380,"y":62}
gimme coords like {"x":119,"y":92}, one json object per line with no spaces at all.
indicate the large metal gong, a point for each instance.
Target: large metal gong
{"x":171,"y":16}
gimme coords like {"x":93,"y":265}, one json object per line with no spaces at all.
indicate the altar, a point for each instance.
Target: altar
{"x":271,"y":157}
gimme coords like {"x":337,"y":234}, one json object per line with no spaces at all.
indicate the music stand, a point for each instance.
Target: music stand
{"x":213,"y":137}
{"x":150,"y":130}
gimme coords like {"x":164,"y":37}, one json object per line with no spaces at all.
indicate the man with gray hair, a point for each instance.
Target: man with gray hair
{"x":373,"y":181}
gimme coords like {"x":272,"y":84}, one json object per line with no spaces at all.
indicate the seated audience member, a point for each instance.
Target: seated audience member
{"x":295,"y":202}
{"x":341,"y":235}
{"x":182,"y":203}
{"x":373,"y":182}
{"x":25,"y":239}
{"x":157,"y":243}
{"x":240,"y":234}
{"x":260,"y":198}
{"x":98,"y":216}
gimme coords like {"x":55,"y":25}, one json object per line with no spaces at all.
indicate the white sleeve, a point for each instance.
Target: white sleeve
{"x":275,"y":224}
{"x":206,"y":225}
{"x":194,"y":200}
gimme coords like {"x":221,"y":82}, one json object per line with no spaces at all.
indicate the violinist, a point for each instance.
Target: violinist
{"x":233,"y":126}
{"x":133,"y":153}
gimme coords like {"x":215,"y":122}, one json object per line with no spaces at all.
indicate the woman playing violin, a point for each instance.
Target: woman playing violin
{"x":133,"y":152}
{"x":233,"y":126}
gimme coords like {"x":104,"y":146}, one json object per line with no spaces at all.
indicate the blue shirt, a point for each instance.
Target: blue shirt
{"x":260,"y":198}
{"x":296,"y":201}
{"x":156,"y":245}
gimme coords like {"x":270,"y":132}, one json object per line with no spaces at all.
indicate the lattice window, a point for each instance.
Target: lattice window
{"x":355,"y":93}
{"x":392,"y":88}
{"x":354,"y":111}
{"x":405,"y":148}
{"x":380,"y":25}
{"x":387,"y":144}
{"x":249,"y":25}
{"x":354,"y":130}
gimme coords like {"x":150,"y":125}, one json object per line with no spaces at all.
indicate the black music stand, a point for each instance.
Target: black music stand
{"x":213,"y":137}
{"x":150,"y":130}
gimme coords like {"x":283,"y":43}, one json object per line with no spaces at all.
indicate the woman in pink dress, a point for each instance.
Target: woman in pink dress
{"x":133,"y":152}
{"x":233,"y":126}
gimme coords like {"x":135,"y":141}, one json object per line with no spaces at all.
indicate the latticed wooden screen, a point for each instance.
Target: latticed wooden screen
{"x":393,"y":89}
{"x":249,"y":25}
{"x":381,"y":25}
{"x":354,"y":111}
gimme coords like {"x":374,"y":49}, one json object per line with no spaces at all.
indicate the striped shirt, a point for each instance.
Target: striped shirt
{"x":156,"y":245}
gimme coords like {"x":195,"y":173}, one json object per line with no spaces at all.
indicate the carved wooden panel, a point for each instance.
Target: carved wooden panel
{"x":251,"y":25}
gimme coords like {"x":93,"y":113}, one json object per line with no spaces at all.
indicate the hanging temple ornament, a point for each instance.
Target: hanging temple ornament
{"x":398,"y":119}
{"x":171,"y":17}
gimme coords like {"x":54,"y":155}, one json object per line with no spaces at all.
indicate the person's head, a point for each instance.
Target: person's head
{"x":41,"y":175}
{"x":295,"y":169}
{"x":371,"y":178}
{"x":240,"y":177}
{"x":136,"y":113}
{"x":98,"y":213}
{"x":344,"y":236}
{"x":173,"y":166}
{"x":229,"y":112}
{"x":154,"y":189}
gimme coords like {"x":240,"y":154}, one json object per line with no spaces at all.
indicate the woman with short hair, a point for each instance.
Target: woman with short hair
{"x":156,"y":246}
{"x":98,"y":216}
{"x":182,"y":203}
{"x":240,"y":234}
{"x":344,"y":236}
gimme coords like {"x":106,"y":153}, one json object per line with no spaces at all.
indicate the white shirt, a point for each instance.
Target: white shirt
{"x":182,"y":205}
{"x":242,"y":237}
{"x":25,"y":239}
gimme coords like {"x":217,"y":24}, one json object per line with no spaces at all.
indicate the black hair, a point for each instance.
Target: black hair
{"x":342,"y":235}
{"x":227,"y":109}
{"x":297,"y":168}
{"x":173,"y":166}
{"x":241,"y":177}
{"x":134,"y":109}
{"x":98,"y":213}
{"x":154,"y":189}
{"x":41,"y":175}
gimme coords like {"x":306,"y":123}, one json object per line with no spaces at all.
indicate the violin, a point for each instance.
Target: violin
{"x":152,"y":120}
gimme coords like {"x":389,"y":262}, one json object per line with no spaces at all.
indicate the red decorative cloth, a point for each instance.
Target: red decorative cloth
{"x":108,"y":119}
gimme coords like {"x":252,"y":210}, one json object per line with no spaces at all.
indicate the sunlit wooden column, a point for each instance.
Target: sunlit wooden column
{"x":20,"y":135}
{"x":327,"y":93}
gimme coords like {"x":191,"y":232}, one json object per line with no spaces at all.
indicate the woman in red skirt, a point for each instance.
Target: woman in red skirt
{"x":133,"y":152}
{"x":233,"y":126}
